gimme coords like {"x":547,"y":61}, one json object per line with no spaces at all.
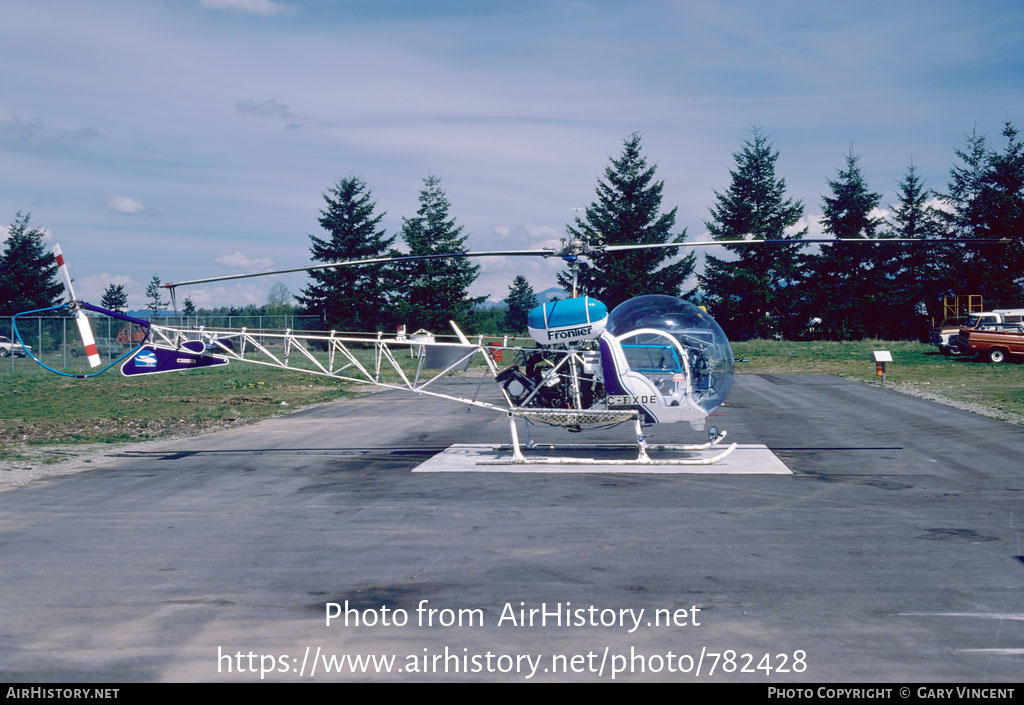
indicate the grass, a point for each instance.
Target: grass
{"x":41,"y":408}
{"x":44,"y":409}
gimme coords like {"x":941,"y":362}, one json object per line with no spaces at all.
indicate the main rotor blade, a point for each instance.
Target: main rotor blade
{"x":566,"y":251}
{"x":378,"y":260}
{"x":806,"y":241}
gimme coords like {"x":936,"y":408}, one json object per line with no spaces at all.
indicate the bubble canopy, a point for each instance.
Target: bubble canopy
{"x":664,"y":336}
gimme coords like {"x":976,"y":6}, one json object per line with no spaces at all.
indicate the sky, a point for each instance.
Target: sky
{"x":196,"y":138}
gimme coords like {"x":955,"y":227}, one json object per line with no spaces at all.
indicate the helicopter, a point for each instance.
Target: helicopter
{"x":653,"y":359}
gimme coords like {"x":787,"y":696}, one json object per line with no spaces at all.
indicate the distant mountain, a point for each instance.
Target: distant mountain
{"x":543,"y":297}
{"x":555,"y":292}
{"x":146,"y":314}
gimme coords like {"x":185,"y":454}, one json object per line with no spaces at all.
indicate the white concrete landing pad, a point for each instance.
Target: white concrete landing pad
{"x":747,"y":459}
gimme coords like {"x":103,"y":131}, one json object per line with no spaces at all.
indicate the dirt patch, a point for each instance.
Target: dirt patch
{"x":35,"y":464}
{"x":22,"y":463}
{"x":19,"y":433}
{"x":979,"y":409}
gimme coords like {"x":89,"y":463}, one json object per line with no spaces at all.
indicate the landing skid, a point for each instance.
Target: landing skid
{"x":518,"y":458}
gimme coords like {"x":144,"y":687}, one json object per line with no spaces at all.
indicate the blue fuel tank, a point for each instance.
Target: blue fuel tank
{"x":567,"y":321}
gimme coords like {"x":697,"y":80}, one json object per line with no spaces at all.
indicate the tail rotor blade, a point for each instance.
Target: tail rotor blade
{"x":84,"y":327}
{"x":88,"y":341}
{"x":65,"y":276}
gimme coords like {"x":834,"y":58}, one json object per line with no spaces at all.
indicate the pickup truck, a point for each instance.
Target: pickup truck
{"x":946,"y":336}
{"x":996,"y":343}
{"x":8,"y":347}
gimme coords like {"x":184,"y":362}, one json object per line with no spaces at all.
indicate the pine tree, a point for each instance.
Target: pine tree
{"x":27,"y":271}
{"x":114,"y":298}
{"x":965,"y":185}
{"x":155,"y":296}
{"x":915,"y":272}
{"x":436,"y":289}
{"x":188,"y":308}
{"x":520,"y":300}
{"x":349,"y":298}
{"x":1001,"y":215}
{"x":627,"y":211}
{"x":752,"y":294}
{"x":962,"y":268}
{"x":845,"y":282}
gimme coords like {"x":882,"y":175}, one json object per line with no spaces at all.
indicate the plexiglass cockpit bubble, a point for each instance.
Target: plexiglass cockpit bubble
{"x":666,"y":338}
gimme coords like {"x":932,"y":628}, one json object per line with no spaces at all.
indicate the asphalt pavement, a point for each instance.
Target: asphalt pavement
{"x":892,"y":553}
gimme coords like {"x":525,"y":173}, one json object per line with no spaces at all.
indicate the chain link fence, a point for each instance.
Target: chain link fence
{"x":55,"y":339}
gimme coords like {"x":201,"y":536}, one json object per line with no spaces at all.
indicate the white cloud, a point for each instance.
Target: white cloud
{"x":811,"y":222}
{"x":126,"y":205}
{"x":264,"y":8}
{"x":91,"y":288}
{"x":240,"y":260}
{"x":544,"y":234}
{"x":939,"y":204}
{"x":880,"y":213}
{"x":497,"y":273}
{"x":237,"y":294}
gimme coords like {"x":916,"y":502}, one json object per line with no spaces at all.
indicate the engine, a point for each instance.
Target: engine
{"x":537,"y":380}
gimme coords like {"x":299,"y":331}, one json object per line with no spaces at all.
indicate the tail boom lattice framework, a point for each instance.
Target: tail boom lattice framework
{"x":373,"y":361}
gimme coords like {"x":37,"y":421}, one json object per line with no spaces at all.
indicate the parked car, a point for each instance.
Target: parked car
{"x":107,"y":347}
{"x":9,"y":347}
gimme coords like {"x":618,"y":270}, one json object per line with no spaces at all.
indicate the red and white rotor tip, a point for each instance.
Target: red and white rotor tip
{"x":92,"y":354}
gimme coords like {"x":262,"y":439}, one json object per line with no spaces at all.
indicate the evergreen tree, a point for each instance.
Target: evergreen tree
{"x":520,"y":300}
{"x":114,"y":298}
{"x":915,"y":272}
{"x":27,"y":270}
{"x":188,"y":308}
{"x":435,"y":288}
{"x":752,"y":293}
{"x":1000,"y":211}
{"x":845,"y":282}
{"x":962,"y":268}
{"x":627,"y":211}
{"x":488,"y":321}
{"x":965,"y":184}
{"x":155,"y":296}
{"x":349,"y":298}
